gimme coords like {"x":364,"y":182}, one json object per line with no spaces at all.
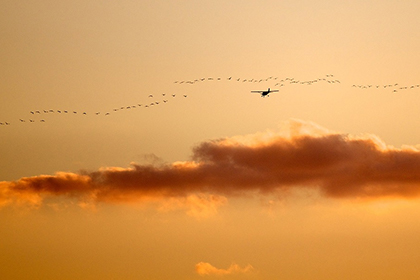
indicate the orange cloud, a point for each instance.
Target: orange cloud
{"x":303,"y":156}
{"x":204,"y":268}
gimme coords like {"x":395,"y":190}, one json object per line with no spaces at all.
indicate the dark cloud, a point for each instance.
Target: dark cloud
{"x":306,"y":156}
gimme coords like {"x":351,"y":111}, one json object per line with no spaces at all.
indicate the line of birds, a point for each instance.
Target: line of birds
{"x":328,"y":78}
{"x":97,"y":113}
{"x":253,"y":80}
{"x":395,"y":87}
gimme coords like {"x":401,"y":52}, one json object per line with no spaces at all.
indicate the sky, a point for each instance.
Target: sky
{"x":133,"y":148}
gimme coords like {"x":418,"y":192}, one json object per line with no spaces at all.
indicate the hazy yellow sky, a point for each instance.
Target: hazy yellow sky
{"x":205,"y":180}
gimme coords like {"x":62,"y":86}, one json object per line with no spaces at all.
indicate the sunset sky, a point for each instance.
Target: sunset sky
{"x":133,"y":148}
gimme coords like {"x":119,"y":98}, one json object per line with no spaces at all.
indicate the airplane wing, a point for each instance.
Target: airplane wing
{"x":257,"y":91}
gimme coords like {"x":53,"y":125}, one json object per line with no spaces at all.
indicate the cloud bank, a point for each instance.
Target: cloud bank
{"x":304,"y":155}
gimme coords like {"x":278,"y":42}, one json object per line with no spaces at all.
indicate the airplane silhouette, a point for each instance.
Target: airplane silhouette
{"x":264,"y":93}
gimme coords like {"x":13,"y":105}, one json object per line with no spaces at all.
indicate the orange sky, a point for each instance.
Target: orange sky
{"x":318,"y":181}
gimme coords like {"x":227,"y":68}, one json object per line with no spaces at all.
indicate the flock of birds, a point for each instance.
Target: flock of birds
{"x":38,"y":115}
{"x":329,"y":78}
{"x":280,"y":82}
{"x":395,"y":87}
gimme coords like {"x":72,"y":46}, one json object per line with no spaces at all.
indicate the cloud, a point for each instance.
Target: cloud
{"x":304,"y":155}
{"x":204,"y":268}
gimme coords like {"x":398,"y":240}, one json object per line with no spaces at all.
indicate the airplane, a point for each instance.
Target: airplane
{"x":264,"y":92}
